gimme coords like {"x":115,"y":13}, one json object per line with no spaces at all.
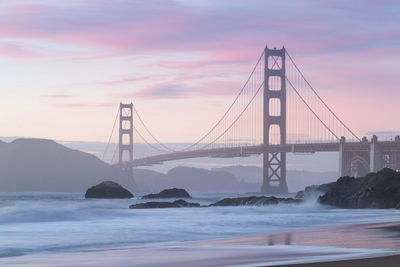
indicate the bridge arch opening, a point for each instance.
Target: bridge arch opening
{"x":125,"y":156}
{"x":274,"y":134}
{"x":126,"y":125}
{"x":126,"y":139}
{"x":275,"y":62}
{"x":126,"y":112}
{"x":275,"y":107}
{"x":275,"y":83}
{"x":358,"y":167}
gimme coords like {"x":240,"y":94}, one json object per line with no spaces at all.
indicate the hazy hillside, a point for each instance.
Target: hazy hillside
{"x":202,"y":180}
{"x":44,"y":165}
{"x":296,"y":180}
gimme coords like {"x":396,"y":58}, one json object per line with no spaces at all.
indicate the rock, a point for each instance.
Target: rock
{"x":108,"y":189}
{"x":253,"y":201}
{"x":153,"y":205}
{"x":169,"y":193}
{"x":379,"y":190}
{"x":157,"y":205}
{"x":183,"y":203}
{"x":313,"y":192}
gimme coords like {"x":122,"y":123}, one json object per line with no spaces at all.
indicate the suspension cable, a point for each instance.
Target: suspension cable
{"x":312,"y":111}
{"x":144,"y":139}
{"x":148,"y":131}
{"x":115,"y":152}
{"x":238,"y":117}
{"x":323,"y":102}
{"x":111,"y":134}
{"x":230,"y":107}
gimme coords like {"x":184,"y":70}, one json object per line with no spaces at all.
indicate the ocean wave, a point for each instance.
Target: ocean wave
{"x":65,"y":222}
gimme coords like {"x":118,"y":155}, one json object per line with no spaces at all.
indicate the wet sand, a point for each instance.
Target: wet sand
{"x":352,"y":245}
{"x":386,"y":261}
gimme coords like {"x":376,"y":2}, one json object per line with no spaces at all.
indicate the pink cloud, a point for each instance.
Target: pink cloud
{"x":15,"y":51}
{"x":181,"y":90}
{"x":58,"y":96}
{"x":84,"y":105}
{"x":171,"y":26}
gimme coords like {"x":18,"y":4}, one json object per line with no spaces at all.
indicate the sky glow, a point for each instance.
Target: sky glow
{"x":66,"y":65}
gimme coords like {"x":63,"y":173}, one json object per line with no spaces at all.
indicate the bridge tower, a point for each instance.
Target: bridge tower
{"x":274,"y":163}
{"x":126,"y":142}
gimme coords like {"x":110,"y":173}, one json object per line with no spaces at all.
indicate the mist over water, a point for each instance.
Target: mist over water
{"x":54,"y":222}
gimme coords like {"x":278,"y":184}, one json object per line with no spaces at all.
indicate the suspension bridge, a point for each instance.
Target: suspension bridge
{"x":275,"y":112}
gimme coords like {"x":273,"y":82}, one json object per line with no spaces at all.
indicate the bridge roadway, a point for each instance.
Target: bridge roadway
{"x":244,"y":151}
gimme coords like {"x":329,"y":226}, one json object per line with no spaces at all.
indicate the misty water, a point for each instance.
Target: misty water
{"x":55,"y":222}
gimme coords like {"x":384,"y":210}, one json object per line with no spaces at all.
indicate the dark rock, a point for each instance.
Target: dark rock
{"x":108,"y":189}
{"x":169,"y":193}
{"x":253,"y":201}
{"x":183,"y":203}
{"x":313,"y":191}
{"x":158,"y":205}
{"x":379,"y":190}
{"x":153,"y":205}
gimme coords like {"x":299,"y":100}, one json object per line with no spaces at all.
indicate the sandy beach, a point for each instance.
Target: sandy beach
{"x":350,"y":245}
{"x":389,"y":261}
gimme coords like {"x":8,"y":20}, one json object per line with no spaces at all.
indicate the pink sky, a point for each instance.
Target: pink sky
{"x":66,"y":65}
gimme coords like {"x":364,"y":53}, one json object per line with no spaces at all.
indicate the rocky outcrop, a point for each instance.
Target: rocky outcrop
{"x":169,"y":193}
{"x":108,"y":189}
{"x":180,"y":203}
{"x":379,"y":190}
{"x":313,"y":192}
{"x":254,"y":201}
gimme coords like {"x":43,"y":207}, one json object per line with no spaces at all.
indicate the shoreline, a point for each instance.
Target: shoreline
{"x":376,"y":244}
{"x":383,"y":261}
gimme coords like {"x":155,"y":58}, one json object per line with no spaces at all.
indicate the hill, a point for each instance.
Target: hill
{"x":202,"y":180}
{"x":44,"y":165}
{"x":296,"y":180}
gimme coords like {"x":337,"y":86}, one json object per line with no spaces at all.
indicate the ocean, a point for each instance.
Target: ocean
{"x":34,"y":223}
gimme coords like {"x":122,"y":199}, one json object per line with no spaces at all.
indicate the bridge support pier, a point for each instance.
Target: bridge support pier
{"x":358,"y":159}
{"x":342,"y":167}
{"x":125,"y":174}
{"x":274,"y":173}
{"x":353,"y":160}
{"x":396,"y":155}
{"x":376,"y":156}
{"x":274,"y":164}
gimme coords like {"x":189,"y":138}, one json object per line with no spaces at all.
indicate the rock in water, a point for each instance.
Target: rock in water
{"x":183,"y":203}
{"x":157,"y":205}
{"x":379,"y":190}
{"x":108,"y":189}
{"x":313,"y":192}
{"x":169,"y":193}
{"x":253,"y":201}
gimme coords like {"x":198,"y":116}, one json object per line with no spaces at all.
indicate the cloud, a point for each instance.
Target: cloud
{"x":82,"y":105}
{"x":182,"y":90}
{"x":385,"y":133}
{"x":56,"y":96}
{"x":127,"y":79}
{"x":164,"y":91}
{"x":199,"y":41}
{"x":166,"y":26}
{"x":16,"y":51}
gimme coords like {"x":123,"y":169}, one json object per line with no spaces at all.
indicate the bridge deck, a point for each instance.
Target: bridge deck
{"x":244,"y":151}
